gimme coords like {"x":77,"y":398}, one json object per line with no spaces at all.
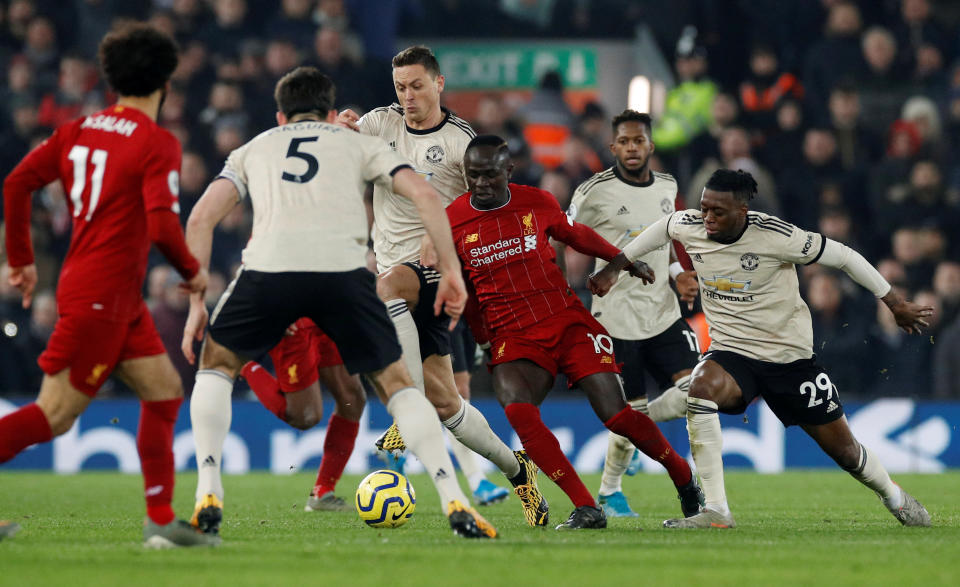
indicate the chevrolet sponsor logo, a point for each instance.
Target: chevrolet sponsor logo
{"x":723,"y":283}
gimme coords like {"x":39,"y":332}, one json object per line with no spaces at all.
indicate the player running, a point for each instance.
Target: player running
{"x":434,"y":140}
{"x":304,"y":359}
{"x":307,"y":258}
{"x":536,"y":326}
{"x":121,"y":172}
{"x":643,"y":320}
{"x":762,"y":335}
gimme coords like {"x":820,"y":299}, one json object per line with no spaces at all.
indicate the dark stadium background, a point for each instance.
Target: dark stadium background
{"x":855,"y":132}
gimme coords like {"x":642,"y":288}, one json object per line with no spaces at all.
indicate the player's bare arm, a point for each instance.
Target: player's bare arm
{"x":221,"y":196}
{"x":451,"y":293}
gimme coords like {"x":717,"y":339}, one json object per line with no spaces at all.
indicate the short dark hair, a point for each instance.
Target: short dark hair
{"x":305,"y":90}
{"x":632,"y":116}
{"x":738,"y":182}
{"x":137,"y":59}
{"x":417,"y":55}
{"x":488,"y":141}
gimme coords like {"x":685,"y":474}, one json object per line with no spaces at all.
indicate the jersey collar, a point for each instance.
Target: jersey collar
{"x":426,"y":131}
{"x":645,"y":184}
{"x":509,"y":197}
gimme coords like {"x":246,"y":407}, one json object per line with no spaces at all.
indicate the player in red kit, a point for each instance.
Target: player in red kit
{"x":121,"y":172}
{"x":536,"y":326}
{"x":302,"y":360}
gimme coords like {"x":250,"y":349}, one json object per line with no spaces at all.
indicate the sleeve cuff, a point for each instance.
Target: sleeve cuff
{"x":398,"y":168}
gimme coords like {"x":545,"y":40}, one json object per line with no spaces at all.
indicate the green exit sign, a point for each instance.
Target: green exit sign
{"x":488,"y":67}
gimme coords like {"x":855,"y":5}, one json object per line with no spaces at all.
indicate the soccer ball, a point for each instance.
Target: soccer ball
{"x":385,"y":499}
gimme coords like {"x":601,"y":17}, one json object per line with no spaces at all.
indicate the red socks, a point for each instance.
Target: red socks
{"x":337,"y":448}
{"x":543,"y":448}
{"x":645,"y":435}
{"x":22,"y":428}
{"x":267,"y":389}
{"x":155,"y":445}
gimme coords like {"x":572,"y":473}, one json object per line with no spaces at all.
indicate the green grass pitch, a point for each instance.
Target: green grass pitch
{"x":803,"y":528}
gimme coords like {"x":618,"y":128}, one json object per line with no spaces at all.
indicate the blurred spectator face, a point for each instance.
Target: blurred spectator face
{"x":734,"y":144}
{"x":43,"y":313}
{"x":331,"y":8}
{"x":932,"y":242}
{"x":281,"y":57}
{"x":879,"y":49}
{"x":25,"y":119}
{"x":904,"y":140}
{"x":914,"y":11}
{"x":74,"y":76}
{"x":163,"y":22}
{"x":230,"y":13}
{"x":19,"y":75}
{"x":831,"y":195}
{"x":929,"y":60}
{"x":892,"y":270}
{"x":725,"y":110}
{"x":946,"y":281}
{"x":172,"y":296}
{"x":417,"y":91}
{"x":923,"y":114}
{"x":156,"y":281}
{"x":763,"y":63}
{"x":843,"y":20}
{"x":824,"y":294}
{"x":229,"y":70}
{"x":187,"y":8}
{"x":193,"y":173}
{"x":19,"y":14}
{"x":925,"y":176}
{"x":192,"y":59}
{"x":836,"y":224}
{"x":491,"y":114}
{"x":789,"y":116}
{"x":328,"y":45}
{"x":844,"y":108}
{"x":296,"y":9}
{"x":226,"y":97}
{"x":690,"y":68}
{"x":906,"y":246}
{"x":41,"y":36}
{"x":819,"y":146}
{"x":226,"y":138}
{"x":174,"y":106}
{"x":558,"y":185}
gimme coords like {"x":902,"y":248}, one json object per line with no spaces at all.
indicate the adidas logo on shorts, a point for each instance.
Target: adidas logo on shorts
{"x":833,"y":405}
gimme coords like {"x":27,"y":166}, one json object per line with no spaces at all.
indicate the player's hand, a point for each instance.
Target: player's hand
{"x":428,"y":252}
{"x":348,"y":118}
{"x":642,"y":271}
{"x":451,"y":296}
{"x":197,"y":283}
{"x":688,"y":287}
{"x":24,"y":279}
{"x":910,"y":317}
{"x":193,"y":330}
{"x":601,"y":281}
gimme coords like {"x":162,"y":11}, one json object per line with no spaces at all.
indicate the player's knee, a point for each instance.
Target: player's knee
{"x":388,"y":286}
{"x":447,"y":405}
{"x":60,"y":422}
{"x":305,"y":418}
{"x":704,"y":386}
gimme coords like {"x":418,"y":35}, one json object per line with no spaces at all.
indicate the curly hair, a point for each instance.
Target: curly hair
{"x":738,"y":182}
{"x":631,"y":116}
{"x":137,"y":59}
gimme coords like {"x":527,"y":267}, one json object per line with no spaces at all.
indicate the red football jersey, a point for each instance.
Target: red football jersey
{"x":115,"y":166}
{"x":509,"y":261}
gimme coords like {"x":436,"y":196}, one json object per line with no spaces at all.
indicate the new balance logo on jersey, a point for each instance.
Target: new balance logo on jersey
{"x":623,"y":210}
{"x":833,"y":405}
{"x":209,"y":461}
{"x":530,"y":243}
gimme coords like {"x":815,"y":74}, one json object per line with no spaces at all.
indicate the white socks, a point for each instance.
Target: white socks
{"x":420,"y":428}
{"x":619,"y":452}
{"x":470,"y":427}
{"x":467,"y":460}
{"x":871,"y":473}
{"x":672,"y":403}
{"x":409,"y":339}
{"x":210,"y":413}
{"x":706,"y":444}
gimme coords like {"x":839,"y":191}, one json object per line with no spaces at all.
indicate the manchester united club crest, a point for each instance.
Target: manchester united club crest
{"x":435,"y":154}
{"x":666,"y":206}
{"x":749,"y":261}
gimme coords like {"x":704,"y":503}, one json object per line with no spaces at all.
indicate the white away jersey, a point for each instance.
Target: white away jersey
{"x":306,"y":182}
{"x":749,"y":288}
{"x":437,"y":155}
{"x":619,"y":210}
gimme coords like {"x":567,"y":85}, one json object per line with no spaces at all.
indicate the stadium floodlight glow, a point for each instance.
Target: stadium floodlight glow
{"x":638,"y":94}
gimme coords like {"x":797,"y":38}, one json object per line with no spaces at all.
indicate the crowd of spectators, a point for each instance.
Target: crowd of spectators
{"x":847,"y":113}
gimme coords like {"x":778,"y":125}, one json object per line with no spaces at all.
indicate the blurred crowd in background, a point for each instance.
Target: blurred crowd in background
{"x":847,"y":114}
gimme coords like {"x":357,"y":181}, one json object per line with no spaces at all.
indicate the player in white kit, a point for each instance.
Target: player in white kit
{"x":649,"y":335}
{"x":307,"y":258}
{"x":434,"y":140}
{"x":762,"y":335}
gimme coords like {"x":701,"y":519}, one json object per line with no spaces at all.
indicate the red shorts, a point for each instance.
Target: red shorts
{"x":91,"y":347}
{"x":296,"y":358}
{"x":571,"y":342}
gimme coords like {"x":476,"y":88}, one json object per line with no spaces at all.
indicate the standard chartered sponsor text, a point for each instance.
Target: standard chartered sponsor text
{"x":497,"y":251}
